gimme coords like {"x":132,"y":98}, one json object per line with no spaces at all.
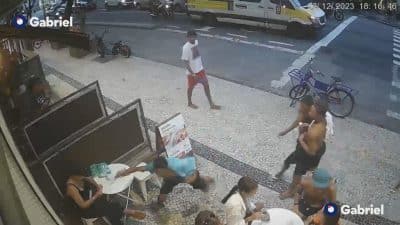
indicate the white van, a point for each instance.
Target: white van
{"x":277,"y":14}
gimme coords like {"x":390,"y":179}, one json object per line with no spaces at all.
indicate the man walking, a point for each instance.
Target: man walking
{"x":310,"y":146}
{"x":194,"y":69}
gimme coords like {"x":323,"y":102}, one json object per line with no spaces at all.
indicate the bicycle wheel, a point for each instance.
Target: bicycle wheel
{"x":341,"y":102}
{"x":125,"y":51}
{"x":339,"y":15}
{"x":298,"y":91}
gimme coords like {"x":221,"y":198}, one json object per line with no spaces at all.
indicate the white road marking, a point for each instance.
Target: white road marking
{"x":280,"y":43}
{"x":231,"y":39}
{"x":236,"y":35}
{"x":394,"y":98}
{"x":396,"y":56}
{"x":205,"y":29}
{"x":396,"y":40}
{"x":171,"y":26}
{"x":396,"y":50}
{"x":392,"y":114}
{"x":302,"y":60}
{"x":396,"y":84}
{"x":396,"y":62}
{"x":396,"y":32}
{"x":396,"y":35}
{"x":396,"y":45}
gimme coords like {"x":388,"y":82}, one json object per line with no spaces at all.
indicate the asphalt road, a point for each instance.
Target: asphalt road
{"x":361,"y":55}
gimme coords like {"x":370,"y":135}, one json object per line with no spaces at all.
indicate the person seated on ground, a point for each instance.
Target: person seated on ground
{"x":173,"y":171}
{"x":85,"y":195}
{"x":207,"y":218}
{"x":314,"y":192}
{"x":323,"y":218}
{"x":185,"y":202}
{"x":237,"y":205}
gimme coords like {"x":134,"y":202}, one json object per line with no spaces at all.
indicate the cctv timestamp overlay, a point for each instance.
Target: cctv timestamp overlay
{"x":391,"y":6}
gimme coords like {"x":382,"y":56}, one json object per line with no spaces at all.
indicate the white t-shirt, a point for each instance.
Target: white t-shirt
{"x":191,"y":53}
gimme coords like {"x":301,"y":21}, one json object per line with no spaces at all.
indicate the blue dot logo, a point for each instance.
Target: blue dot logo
{"x":331,"y":209}
{"x":19,"y":21}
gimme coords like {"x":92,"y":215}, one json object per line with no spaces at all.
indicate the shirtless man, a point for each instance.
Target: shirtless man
{"x":314,"y":192}
{"x":310,"y":145}
{"x":302,"y":117}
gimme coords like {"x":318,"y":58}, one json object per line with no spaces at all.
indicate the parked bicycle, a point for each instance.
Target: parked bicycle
{"x":117,"y":47}
{"x":340,"y":97}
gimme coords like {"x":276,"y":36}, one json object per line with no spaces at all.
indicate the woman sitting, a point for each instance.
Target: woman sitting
{"x":86,"y":196}
{"x":237,"y":208}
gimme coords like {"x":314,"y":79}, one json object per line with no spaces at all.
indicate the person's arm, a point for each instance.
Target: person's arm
{"x":292,"y":126}
{"x":93,"y":182}
{"x":130,"y":170}
{"x":311,"y":136}
{"x":234,"y":215}
{"x":187,"y":66}
{"x":73,"y":193}
{"x":254,"y":216}
{"x":332,"y":192}
{"x":185,"y":58}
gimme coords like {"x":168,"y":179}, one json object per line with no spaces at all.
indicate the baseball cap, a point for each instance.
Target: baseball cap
{"x":321,"y":178}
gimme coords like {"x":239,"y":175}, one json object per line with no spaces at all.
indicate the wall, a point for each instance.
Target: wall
{"x":19,"y":204}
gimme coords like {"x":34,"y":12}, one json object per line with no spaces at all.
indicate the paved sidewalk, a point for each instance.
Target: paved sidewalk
{"x":363,"y":157}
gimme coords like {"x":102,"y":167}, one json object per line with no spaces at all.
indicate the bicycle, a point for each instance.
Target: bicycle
{"x":337,"y":93}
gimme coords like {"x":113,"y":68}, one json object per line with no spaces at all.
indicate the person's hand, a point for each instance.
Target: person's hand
{"x":121,"y":173}
{"x":257,"y":216}
{"x":303,"y":127}
{"x":99,"y":192}
{"x":259,"y":206}
{"x":301,"y":137}
{"x":283,"y":133}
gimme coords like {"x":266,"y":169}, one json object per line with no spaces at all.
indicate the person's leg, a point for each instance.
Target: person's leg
{"x":293,"y":187}
{"x":112,"y":211}
{"x":167,"y":187}
{"x":203,"y":79}
{"x":191,"y":84}
{"x":291,"y":159}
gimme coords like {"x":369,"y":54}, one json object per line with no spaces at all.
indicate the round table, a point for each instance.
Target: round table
{"x":114,"y":186}
{"x":279,"y":216}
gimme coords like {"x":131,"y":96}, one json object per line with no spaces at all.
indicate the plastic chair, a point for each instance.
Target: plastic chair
{"x":95,"y":221}
{"x":143,"y":177}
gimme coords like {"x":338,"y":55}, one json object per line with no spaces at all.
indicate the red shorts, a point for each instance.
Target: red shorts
{"x":200,"y":78}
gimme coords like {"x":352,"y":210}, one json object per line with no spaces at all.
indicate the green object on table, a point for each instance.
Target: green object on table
{"x":99,"y":170}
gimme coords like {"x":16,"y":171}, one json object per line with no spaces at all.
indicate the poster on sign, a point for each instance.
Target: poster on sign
{"x":174,"y":136}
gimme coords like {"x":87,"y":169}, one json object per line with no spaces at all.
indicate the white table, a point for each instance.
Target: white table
{"x":115,"y":186}
{"x":280,"y":216}
{"x":118,"y":185}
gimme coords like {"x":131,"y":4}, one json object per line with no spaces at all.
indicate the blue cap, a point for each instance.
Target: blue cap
{"x":321,"y":178}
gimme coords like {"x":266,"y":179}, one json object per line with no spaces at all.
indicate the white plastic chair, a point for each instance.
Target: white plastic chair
{"x":143,"y":177}
{"x":95,"y":221}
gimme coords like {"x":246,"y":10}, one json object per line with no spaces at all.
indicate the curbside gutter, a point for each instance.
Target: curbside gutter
{"x":146,"y":26}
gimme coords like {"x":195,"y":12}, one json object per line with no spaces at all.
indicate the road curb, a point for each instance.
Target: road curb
{"x":379,"y":20}
{"x":146,"y":26}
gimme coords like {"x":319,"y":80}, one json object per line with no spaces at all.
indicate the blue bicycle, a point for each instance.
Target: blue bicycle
{"x":340,"y":97}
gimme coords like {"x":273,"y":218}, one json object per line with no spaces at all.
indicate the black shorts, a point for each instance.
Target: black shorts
{"x":169,"y":184}
{"x":306,"y":209}
{"x":304,"y":162}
